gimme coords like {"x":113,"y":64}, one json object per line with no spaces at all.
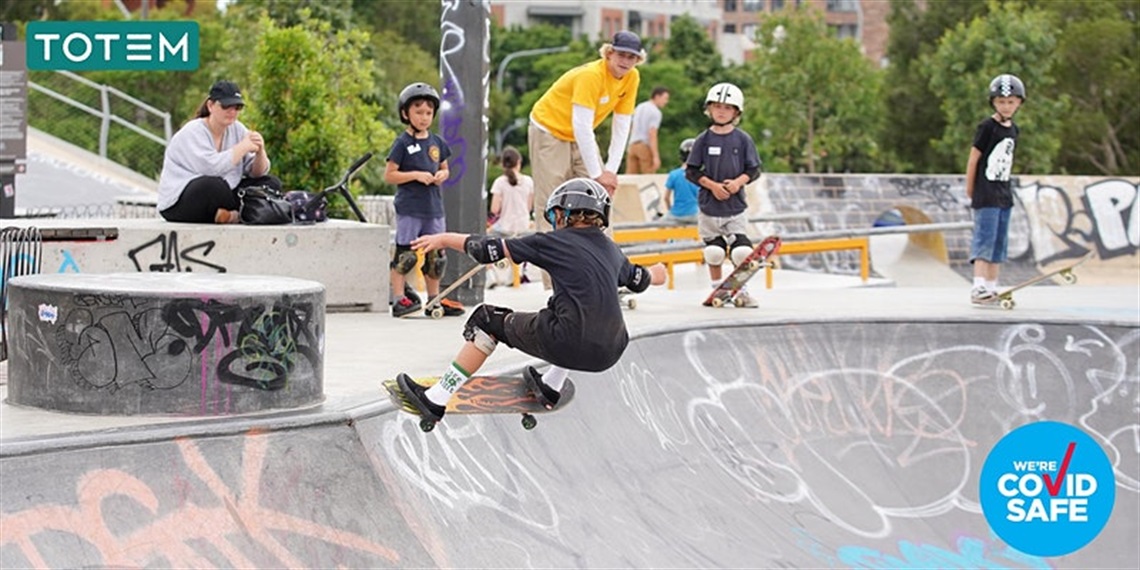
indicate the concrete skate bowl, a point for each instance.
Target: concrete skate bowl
{"x":774,"y":445}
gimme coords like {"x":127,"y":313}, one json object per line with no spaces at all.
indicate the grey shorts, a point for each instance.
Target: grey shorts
{"x":712,"y":227}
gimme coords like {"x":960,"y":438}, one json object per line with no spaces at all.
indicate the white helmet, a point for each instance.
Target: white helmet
{"x":726,"y":93}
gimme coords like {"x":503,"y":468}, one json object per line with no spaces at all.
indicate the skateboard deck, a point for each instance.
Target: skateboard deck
{"x":433,"y":306}
{"x":486,"y":395}
{"x":1004,"y":298}
{"x":729,"y":288}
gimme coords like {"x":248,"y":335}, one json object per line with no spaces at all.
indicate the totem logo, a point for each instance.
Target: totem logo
{"x":86,"y":46}
{"x":1047,"y":489}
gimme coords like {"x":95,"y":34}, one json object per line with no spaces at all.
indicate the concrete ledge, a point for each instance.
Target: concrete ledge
{"x":349,"y":258}
{"x":162,"y":343}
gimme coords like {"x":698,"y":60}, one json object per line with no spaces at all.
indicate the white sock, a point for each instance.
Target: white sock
{"x":555,"y":377}
{"x":991,"y":285}
{"x":979,"y":282}
{"x":448,"y":384}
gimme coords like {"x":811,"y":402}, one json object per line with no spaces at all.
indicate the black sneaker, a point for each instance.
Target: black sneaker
{"x":414,"y":394}
{"x":546,"y":396}
{"x":411,"y":294}
{"x":404,"y":306}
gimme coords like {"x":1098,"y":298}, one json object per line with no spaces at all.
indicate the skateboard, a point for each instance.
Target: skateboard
{"x":627,"y":298}
{"x":486,"y":395}
{"x":1004,"y":298}
{"x":728,"y":289}
{"x":434,"y":307}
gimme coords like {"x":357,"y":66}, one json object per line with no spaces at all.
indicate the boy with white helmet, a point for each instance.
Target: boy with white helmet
{"x":581,"y":327}
{"x":988,"y":185}
{"x":722,"y":162}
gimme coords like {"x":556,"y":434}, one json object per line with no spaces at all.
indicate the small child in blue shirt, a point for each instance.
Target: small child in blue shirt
{"x":680,"y":194}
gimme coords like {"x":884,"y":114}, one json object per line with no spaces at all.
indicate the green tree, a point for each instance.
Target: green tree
{"x":915,"y":111}
{"x":417,"y":22}
{"x":814,"y":100}
{"x":1007,"y":40}
{"x":318,"y":120}
{"x":1098,"y":69}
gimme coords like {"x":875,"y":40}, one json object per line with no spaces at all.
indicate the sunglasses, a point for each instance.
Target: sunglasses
{"x":239,"y":106}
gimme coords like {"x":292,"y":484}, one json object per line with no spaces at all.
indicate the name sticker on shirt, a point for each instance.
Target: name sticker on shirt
{"x":413,"y":148}
{"x":714,"y":151}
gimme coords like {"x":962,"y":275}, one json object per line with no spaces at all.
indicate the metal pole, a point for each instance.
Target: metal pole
{"x":523,"y":53}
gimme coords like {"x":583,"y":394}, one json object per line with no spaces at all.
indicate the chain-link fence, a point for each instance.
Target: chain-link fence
{"x":100,"y":119}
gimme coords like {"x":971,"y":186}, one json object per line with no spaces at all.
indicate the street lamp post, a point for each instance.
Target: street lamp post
{"x":518,"y":123}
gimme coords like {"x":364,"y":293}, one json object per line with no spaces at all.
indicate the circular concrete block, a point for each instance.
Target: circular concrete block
{"x":165,"y":343}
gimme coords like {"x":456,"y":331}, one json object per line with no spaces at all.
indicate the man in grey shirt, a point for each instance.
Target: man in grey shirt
{"x":644,"y":157}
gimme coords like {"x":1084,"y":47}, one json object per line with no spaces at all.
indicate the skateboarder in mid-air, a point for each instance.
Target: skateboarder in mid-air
{"x":581,"y":327}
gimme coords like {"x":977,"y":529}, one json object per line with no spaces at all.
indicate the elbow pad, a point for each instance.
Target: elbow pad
{"x":485,"y":249}
{"x":694,"y":174}
{"x":640,"y":280}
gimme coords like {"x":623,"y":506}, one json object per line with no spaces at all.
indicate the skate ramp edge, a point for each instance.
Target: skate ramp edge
{"x":819,"y":444}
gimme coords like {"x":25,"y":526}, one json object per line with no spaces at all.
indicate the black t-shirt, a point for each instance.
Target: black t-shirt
{"x":992,"y":188}
{"x":419,"y":155}
{"x":721,"y":157}
{"x":582,"y":321}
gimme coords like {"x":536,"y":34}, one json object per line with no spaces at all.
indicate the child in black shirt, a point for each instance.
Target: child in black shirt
{"x":581,"y":327}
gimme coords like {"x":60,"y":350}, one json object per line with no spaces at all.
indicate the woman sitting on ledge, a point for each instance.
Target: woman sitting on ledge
{"x":208,"y":159}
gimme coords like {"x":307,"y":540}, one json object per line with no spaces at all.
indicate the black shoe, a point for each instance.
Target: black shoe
{"x":414,"y":394}
{"x":411,"y":294}
{"x":546,"y":396}
{"x":404,"y":306}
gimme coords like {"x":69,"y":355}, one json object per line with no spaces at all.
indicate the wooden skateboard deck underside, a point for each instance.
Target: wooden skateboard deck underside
{"x":746,"y":270}
{"x":486,"y":395}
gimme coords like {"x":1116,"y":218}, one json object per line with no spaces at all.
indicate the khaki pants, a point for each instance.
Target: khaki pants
{"x":552,"y":162}
{"x":640,"y":159}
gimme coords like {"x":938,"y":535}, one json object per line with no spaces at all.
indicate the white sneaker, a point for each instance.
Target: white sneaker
{"x":981,"y":294}
{"x":743,"y":299}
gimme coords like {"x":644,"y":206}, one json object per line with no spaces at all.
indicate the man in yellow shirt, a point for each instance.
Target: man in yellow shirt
{"x":562,"y":122}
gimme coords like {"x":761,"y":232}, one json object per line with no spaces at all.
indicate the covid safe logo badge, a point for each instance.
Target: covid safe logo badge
{"x":86,"y":46}
{"x":1047,"y":489}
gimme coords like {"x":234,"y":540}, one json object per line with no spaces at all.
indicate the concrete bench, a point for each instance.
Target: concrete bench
{"x":349,"y":258}
{"x":165,"y":343}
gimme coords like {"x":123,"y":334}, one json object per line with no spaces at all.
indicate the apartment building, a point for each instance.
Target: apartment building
{"x":730,"y":23}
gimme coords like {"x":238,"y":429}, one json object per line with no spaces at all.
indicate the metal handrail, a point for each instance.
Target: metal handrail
{"x":105,"y":115}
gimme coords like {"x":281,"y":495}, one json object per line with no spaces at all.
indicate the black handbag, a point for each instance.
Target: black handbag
{"x":262,"y":205}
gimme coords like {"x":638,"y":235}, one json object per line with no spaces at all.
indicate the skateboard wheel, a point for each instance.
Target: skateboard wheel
{"x":631,"y":303}
{"x":529,"y":421}
{"x":718,"y":302}
{"x":426,"y":425}
{"x":753,"y":265}
{"x":1007,"y":304}
{"x":738,"y":301}
{"x":437,"y":312}
{"x":1068,"y":277}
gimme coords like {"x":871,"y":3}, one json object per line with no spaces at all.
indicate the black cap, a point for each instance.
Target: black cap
{"x":628,"y":42}
{"x":226,"y":93}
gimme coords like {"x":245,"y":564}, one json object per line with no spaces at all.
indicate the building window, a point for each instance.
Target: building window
{"x":748,"y":31}
{"x":730,"y":28}
{"x":753,"y":5}
{"x":842,"y":5}
{"x":635,"y":23}
{"x":729,"y":5}
{"x":777,"y":5}
{"x":845,"y":31}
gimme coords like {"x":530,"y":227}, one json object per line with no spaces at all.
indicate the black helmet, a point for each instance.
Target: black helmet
{"x":686,"y":148}
{"x":417,"y":91}
{"x":1006,"y":85}
{"x":579,"y":194}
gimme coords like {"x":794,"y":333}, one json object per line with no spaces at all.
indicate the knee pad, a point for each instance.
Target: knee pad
{"x":405,"y":260}
{"x":715,"y":250}
{"x":435,"y":262}
{"x":485,"y":326}
{"x":740,"y":253}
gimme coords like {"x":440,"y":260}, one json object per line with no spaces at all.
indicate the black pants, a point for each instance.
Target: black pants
{"x":204,"y":196}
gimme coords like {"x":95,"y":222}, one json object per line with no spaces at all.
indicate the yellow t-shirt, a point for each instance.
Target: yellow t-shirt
{"x":589,"y":85}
